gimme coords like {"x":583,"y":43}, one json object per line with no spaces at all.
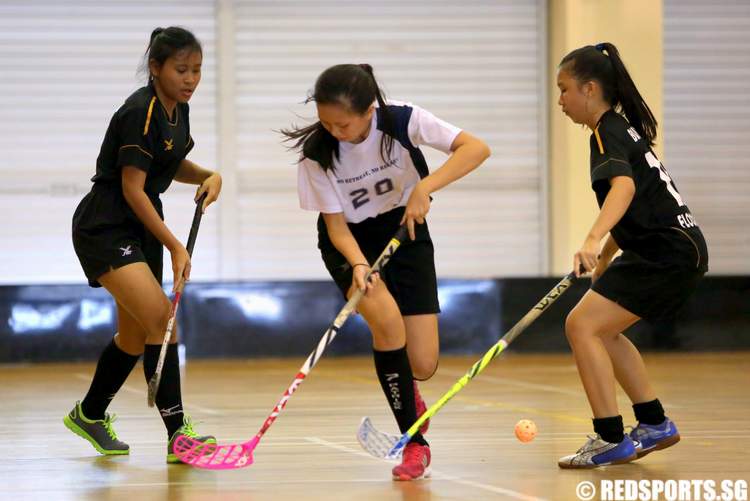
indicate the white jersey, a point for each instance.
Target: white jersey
{"x":362,"y":184}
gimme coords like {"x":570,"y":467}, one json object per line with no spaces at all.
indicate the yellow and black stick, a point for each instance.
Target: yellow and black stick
{"x":387,"y":446}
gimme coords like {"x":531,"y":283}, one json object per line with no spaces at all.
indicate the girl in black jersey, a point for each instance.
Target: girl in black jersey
{"x":118,"y":234}
{"x":664,"y":255}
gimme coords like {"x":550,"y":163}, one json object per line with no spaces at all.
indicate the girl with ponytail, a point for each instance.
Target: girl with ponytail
{"x":361,"y":168}
{"x":664,"y":255}
{"x":119,"y":236}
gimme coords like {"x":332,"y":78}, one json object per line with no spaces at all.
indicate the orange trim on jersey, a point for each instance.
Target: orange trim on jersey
{"x":148,"y":115}
{"x":136,"y":146}
{"x":599,"y":140}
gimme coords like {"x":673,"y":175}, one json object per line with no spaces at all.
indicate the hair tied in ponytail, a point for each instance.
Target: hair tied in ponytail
{"x":618,"y":88}
{"x":155,"y":33}
{"x":354,"y":88}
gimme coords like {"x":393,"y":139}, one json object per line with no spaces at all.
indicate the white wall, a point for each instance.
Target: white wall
{"x":707,"y":121}
{"x":68,"y":66}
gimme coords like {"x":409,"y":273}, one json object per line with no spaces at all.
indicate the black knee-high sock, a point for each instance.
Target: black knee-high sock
{"x":112,"y":370}
{"x":610,"y":429}
{"x":169,"y":397}
{"x":649,"y":412}
{"x":396,"y":379}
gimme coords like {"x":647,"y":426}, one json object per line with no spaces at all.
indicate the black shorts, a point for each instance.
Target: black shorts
{"x":409,"y":275}
{"x":102,"y":246}
{"x":653,"y":291}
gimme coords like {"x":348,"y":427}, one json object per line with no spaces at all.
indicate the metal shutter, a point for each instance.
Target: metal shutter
{"x":477,"y":64}
{"x":707,"y":121}
{"x":67,"y":66}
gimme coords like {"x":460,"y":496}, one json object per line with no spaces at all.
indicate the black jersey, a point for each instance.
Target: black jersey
{"x":658,"y":224}
{"x":142,"y":135}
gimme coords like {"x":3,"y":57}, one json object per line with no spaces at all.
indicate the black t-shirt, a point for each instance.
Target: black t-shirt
{"x":657,"y":224}
{"x":142,"y":135}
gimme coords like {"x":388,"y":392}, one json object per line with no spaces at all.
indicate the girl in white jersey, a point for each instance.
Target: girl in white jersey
{"x":362,"y":169}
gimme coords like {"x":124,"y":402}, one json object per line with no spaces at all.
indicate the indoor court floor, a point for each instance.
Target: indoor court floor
{"x":311,"y":451}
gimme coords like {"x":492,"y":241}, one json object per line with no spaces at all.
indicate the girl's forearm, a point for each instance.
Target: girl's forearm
{"x":468,"y":155}
{"x":191,"y":173}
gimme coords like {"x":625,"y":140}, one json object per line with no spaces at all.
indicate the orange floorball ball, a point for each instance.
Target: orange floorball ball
{"x":525,"y":430}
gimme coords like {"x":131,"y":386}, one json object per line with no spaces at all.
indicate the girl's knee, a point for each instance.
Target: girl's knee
{"x":580,"y":329}
{"x":423,"y":368}
{"x":387,"y":331}
{"x":156,"y":323}
{"x":382,"y":313}
{"x":386,"y":337}
{"x":575,"y":327}
{"x":131,"y":342}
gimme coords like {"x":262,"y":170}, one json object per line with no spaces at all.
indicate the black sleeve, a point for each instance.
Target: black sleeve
{"x":136,"y":143}
{"x":609,"y":155}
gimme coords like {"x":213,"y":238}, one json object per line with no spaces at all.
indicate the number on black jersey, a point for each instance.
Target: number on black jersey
{"x":664,"y":175}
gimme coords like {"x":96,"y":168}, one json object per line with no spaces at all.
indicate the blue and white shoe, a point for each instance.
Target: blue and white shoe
{"x":654,"y":437}
{"x":596,"y":452}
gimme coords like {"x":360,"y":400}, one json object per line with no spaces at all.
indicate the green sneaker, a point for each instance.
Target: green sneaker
{"x":98,"y":432}
{"x":187,"y":430}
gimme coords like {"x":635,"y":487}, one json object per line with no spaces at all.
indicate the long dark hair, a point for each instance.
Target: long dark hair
{"x":352,"y":86}
{"x":165,"y":43}
{"x":603,"y":64}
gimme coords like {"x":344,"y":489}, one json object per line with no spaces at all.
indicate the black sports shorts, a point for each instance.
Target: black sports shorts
{"x":409,"y":275}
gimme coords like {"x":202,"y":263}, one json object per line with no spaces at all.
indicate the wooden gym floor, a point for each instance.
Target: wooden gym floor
{"x":311,"y":451}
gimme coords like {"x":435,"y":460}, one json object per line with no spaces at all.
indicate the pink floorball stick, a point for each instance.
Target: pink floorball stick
{"x":232,"y":456}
